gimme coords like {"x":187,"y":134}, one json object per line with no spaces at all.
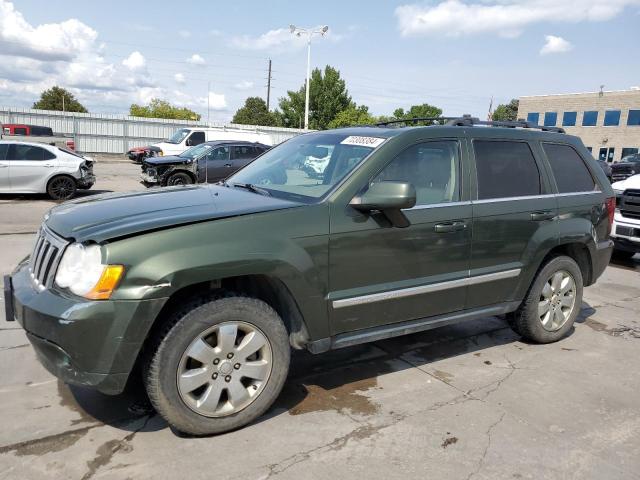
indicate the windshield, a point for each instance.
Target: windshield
{"x":178,"y":136}
{"x":195,"y":152}
{"x":308,"y":166}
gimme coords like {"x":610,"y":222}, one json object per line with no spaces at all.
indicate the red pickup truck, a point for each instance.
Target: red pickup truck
{"x":35,"y":133}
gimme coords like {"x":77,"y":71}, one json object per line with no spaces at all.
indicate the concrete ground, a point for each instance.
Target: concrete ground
{"x":461,"y":402}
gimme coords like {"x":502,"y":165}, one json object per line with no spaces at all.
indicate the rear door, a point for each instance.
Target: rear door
{"x":241,"y":155}
{"x":4,"y":168}
{"x":514,"y":217}
{"x":30,"y":167}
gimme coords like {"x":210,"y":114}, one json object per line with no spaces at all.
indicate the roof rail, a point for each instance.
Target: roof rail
{"x":469,"y":121}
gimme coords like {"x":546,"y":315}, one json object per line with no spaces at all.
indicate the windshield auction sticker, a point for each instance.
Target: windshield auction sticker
{"x":371,"y":142}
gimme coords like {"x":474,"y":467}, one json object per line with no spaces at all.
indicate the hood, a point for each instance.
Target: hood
{"x":631,"y":182}
{"x":625,"y":166}
{"x":167,"y":159}
{"x":112,"y":215}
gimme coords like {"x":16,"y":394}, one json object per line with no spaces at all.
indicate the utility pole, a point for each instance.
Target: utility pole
{"x":208,"y":100}
{"x":269,"y":85}
{"x":63,"y":102}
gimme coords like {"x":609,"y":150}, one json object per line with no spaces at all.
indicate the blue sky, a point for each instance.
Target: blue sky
{"x":454,"y":54}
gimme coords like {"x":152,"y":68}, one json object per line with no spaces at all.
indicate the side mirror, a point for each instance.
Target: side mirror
{"x":189,"y":142}
{"x":389,"y":198}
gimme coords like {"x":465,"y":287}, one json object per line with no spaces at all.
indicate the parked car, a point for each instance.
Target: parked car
{"x":27,"y":167}
{"x":626,"y":223}
{"x":606,"y":168}
{"x":185,"y":138}
{"x":35,"y":133}
{"x":625,"y":168}
{"x":208,"y":162}
{"x":205,"y":288}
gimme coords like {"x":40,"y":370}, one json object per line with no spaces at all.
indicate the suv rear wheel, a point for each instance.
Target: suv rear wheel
{"x":219,"y":365}
{"x":552,"y":303}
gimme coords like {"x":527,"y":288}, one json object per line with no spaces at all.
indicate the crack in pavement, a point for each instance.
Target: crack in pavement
{"x":487,"y":446}
{"x":106,"y":451}
{"x":14,"y":347}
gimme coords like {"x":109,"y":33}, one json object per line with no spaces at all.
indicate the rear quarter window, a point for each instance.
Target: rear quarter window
{"x":568,"y":167}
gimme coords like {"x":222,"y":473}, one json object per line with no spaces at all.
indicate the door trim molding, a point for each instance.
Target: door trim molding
{"x":421,"y":289}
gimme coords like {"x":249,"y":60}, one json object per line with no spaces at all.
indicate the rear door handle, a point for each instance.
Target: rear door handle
{"x":48,"y":165}
{"x":450,"y":227}
{"x":227,"y":165}
{"x":540,"y":216}
{"x":3,"y":166}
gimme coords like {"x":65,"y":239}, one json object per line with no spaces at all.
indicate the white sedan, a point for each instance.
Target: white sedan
{"x":27,"y":167}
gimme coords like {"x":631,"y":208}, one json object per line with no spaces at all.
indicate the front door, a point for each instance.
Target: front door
{"x":29,"y":167}
{"x":4,"y":168}
{"x":513,"y":209}
{"x":241,"y":155}
{"x":219,"y":164}
{"x":379,"y":274}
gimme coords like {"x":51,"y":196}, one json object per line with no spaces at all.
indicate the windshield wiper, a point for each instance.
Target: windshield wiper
{"x":251,"y":188}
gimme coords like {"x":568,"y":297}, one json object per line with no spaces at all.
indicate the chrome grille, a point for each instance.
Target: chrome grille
{"x":45,"y":258}
{"x":629,"y":204}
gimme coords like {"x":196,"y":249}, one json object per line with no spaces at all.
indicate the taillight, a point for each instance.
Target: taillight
{"x":611,"y":211}
{"x":71,"y":145}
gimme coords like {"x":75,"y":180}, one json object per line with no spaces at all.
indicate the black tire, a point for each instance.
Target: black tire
{"x":179,"y":178}
{"x":61,"y":187}
{"x":182,"y":329}
{"x":526,"y":321}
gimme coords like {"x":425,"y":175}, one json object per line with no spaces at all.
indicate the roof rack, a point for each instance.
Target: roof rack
{"x":469,"y":121}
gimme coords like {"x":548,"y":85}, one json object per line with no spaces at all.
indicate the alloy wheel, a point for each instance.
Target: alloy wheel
{"x":62,"y":188}
{"x":224,"y":369}
{"x":557,"y":300}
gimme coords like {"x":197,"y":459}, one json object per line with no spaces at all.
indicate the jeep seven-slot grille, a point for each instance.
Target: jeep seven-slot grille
{"x":630,"y":204}
{"x":45,"y":258}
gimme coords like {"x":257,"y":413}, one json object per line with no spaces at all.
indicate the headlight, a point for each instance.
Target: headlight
{"x":618,"y":192}
{"x":82,"y":272}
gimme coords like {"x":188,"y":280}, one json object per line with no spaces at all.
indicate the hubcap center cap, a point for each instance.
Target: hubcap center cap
{"x":225,"y":368}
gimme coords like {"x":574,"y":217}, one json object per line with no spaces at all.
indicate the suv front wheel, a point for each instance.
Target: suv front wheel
{"x":220,"y":364}
{"x":552,"y":304}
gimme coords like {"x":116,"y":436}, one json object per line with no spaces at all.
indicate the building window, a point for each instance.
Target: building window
{"x":550,"y":119}
{"x":569,"y":119}
{"x":590,"y":118}
{"x":634,"y":118}
{"x":603,"y":154}
{"x":612,"y":118}
{"x":533,"y":117}
{"x":626,"y":152}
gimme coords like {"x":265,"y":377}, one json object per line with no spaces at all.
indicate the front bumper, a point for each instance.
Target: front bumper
{"x":149,"y":180}
{"x":82,"y":342}
{"x":86,"y":181}
{"x":626,"y":233}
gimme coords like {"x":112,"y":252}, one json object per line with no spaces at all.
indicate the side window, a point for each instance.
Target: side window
{"x":3,"y":151}
{"x":47,"y":155}
{"x":505,"y":169}
{"x":431,"y":167}
{"x":220,"y":153}
{"x":19,"y":131}
{"x":569,"y":170}
{"x":196,"y":138}
{"x":241,"y":152}
{"x":25,"y":152}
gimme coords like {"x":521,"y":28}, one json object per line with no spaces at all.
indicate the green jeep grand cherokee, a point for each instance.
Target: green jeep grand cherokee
{"x":204,"y":289}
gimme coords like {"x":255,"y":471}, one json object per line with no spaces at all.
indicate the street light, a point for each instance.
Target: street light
{"x":309,"y":32}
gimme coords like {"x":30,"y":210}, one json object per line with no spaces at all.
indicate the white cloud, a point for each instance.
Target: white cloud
{"x":217,"y":101}
{"x":280,"y":39}
{"x":180,"y":78}
{"x":49,"y":41}
{"x":243,"y":85}
{"x":555,"y":45}
{"x":184,"y":33}
{"x":135,"y":61}
{"x":196,"y":59}
{"x":506,"y":18}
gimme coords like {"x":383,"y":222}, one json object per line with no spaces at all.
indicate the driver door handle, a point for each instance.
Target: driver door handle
{"x":3,"y":166}
{"x":541,"y":216}
{"x":450,"y":227}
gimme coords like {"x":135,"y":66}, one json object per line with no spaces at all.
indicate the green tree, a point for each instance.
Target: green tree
{"x":508,"y":112}
{"x":162,"y":109}
{"x":328,"y":96}
{"x":254,"y":112}
{"x":56,"y":98}
{"x":352,"y":116}
{"x":418,"y":111}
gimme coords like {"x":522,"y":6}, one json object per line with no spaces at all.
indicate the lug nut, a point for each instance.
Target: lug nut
{"x":236,"y":366}
{"x":214,"y":376}
{"x":227,"y":378}
{"x":229,"y":355}
{"x":216,"y":361}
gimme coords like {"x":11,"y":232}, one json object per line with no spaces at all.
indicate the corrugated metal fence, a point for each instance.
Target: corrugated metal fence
{"x":99,"y":133}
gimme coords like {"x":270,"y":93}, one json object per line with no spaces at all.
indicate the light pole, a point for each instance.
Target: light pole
{"x":309,"y":32}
